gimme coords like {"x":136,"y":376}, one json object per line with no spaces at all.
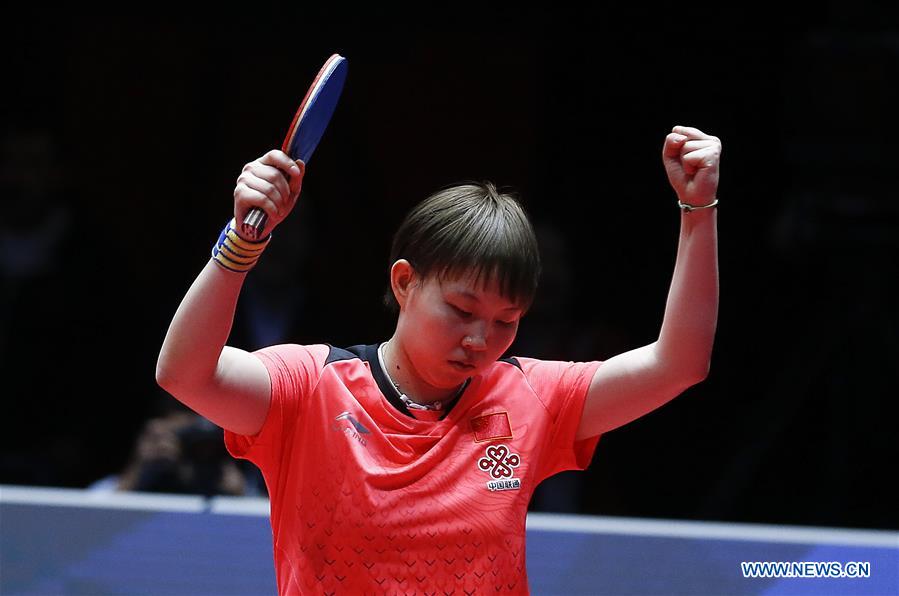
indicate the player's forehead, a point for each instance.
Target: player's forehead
{"x":478,"y":288}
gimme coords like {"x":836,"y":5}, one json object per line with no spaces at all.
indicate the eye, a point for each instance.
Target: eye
{"x":507,"y":323}
{"x":462,"y":313}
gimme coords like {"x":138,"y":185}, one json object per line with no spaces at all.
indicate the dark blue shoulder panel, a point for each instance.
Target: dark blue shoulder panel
{"x":513,"y":361}
{"x":338,"y":354}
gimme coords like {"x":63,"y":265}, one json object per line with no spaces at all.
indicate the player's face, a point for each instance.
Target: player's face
{"x":454,"y":329}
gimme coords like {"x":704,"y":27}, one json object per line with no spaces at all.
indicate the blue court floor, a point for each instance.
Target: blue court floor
{"x":60,"y":541}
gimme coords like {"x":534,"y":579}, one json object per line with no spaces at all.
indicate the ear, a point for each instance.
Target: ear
{"x":402,"y":280}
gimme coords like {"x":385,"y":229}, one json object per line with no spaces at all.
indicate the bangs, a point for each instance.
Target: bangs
{"x":495,"y":253}
{"x":473,"y":230}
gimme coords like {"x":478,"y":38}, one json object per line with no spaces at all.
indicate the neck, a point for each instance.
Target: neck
{"x":400,"y":370}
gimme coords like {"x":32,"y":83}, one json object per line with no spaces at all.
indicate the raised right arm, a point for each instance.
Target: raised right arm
{"x":226,"y":385}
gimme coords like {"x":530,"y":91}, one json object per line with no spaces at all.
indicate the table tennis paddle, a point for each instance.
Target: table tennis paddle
{"x":307,"y":128}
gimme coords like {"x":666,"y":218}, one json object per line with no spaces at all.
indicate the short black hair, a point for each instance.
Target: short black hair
{"x":471,"y":227}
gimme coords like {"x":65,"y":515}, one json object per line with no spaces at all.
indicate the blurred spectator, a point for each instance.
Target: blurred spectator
{"x":179,"y":452}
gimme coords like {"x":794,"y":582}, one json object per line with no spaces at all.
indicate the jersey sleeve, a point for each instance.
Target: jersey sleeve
{"x":294,"y":371}
{"x":562,"y":389}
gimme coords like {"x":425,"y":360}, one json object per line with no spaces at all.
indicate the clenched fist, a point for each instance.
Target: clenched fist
{"x":691,"y":159}
{"x":271,"y":183}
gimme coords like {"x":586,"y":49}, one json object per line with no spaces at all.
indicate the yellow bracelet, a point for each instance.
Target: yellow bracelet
{"x":235,"y":253}
{"x":687,"y":207}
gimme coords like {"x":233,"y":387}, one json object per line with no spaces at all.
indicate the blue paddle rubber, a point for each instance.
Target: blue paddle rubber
{"x":317,"y":112}
{"x":307,"y":128}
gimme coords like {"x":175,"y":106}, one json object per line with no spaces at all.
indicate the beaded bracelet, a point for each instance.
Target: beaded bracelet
{"x":235,"y":253}
{"x":688,"y":207}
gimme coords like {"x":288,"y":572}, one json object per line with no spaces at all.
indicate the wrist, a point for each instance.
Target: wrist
{"x":687,"y":207}
{"x":234,"y":252}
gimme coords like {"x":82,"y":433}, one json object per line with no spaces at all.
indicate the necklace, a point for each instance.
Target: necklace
{"x":413,"y":405}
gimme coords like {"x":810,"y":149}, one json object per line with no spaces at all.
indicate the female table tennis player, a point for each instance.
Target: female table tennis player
{"x":407,"y":465}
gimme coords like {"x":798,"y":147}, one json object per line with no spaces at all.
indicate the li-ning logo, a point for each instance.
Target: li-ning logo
{"x":355,"y":428}
{"x":500,"y":463}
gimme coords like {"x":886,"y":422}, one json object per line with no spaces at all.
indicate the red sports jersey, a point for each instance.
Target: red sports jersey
{"x":366,"y":499}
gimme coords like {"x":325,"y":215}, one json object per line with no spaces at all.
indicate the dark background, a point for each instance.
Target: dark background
{"x":123,"y":140}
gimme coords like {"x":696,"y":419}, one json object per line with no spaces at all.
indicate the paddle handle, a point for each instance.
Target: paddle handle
{"x":254,"y":224}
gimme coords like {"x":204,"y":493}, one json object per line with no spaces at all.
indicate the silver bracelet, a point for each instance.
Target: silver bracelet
{"x":687,"y":207}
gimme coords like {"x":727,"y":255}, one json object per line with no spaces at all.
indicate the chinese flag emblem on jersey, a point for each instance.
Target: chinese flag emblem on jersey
{"x":490,"y":427}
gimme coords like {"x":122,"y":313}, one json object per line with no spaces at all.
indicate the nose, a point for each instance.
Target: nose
{"x":474,"y":341}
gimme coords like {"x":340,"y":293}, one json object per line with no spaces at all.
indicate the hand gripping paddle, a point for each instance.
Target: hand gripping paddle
{"x":307,"y":128}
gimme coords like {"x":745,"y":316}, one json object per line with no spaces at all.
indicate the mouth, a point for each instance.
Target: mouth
{"x":462,"y":366}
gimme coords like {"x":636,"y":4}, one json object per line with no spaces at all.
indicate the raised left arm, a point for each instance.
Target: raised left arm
{"x":637,"y":382}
